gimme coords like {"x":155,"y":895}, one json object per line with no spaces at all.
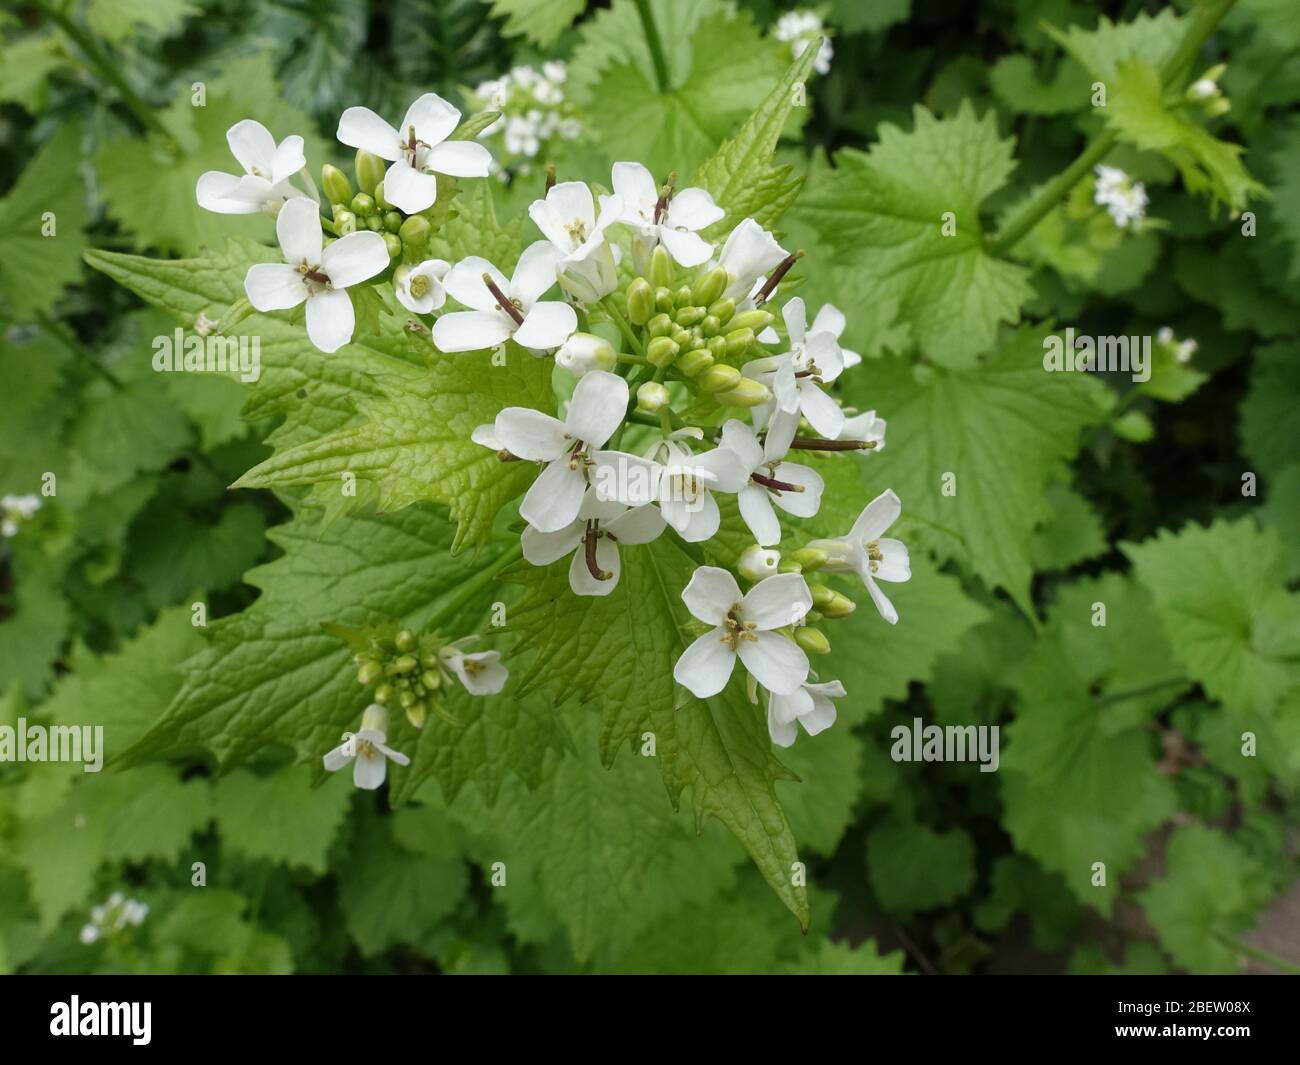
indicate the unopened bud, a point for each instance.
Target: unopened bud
{"x":335,"y":184}
{"x":661,"y":351}
{"x":710,"y":325}
{"x":718,"y":378}
{"x":810,"y":558}
{"x":584,"y":352}
{"x":659,"y":326}
{"x":709,"y":286}
{"x":392,"y":221}
{"x":739,"y":341}
{"x":757,"y":320}
{"x":418,"y":713}
{"x":695,"y":362}
{"x":748,"y":393}
{"x":652,"y":397}
{"x":689,"y":316}
{"x":345,"y":222}
{"x":381,"y":201}
{"x":394,"y":245}
{"x":723,"y":310}
{"x":682,"y":297}
{"x":369,"y":672}
{"x":664,"y":299}
{"x":431,"y":679}
{"x":717,"y":347}
{"x":821,"y":595}
{"x":683,"y":337}
{"x":661,"y":268}
{"x":375,"y":719}
{"x":407,"y":699}
{"x":812,"y":640}
{"x":404,"y":641}
{"x":374,"y":223}
{"x":839,"y":606}
{"x":369,"y":170}
{"x":758,"y":562}
{"x":640,"y":301}
{"x":384,"y":692}
{"x":789,"y":565}
{"x":415,"y":233}
{"x":363,"y":205}
{"x":405,"y":664}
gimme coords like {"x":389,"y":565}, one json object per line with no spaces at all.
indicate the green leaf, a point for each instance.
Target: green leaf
{"x":620,"y":649}
{"x":854,"y":16}
{"x":116,"y":20}
{"x":883,"y":213}
{"x":541,"y":21}
{"x":840,"y":959}
{"x":1016,"y":83}
{"x":1268,"y":411}
{"x":1153,"y":39}
{"x":914,"y":868}
{"x":1221,"y":594}
{"x":1071,"y":535}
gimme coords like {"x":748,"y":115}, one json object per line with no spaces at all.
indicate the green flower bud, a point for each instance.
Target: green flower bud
{"x":415,"y":233}
{"x":369,"y":673}
{"x":659,"y":326}
{"x":789,"y":565}
{"x":405,"y":664}
{"x":640,"y":301}
{"x":661,"y":268}
{"x":756,"y":562}
{"x":661,"y":351}
{"x":363,"y":205}
{"x":374,"y":223}
{"x":369,"y":170}
{"x":839,"y":606}
{"x":812,"y":640}
{"x":757,"y":320}
{"x":689,"y":316}
{"x":695,"y":362}
{"x":718,"y":378}
{"x":739,"y":341}
{"x":652,"y":397}
{"x":381,"y":201}
{"x":393,"y":244}
{"x":682,"y":337}
{"x":821,"y":595}
{"x":393,"y":221}
{"x":747,"y":393}
{"x":717,"y":347}
{"x":335,"y":184}
{"x":711,"y":325}
{"x":407,"y":699}
{"x":682,"y":297}
{"x":418,"y":713}
{"x":723,"y":310}
{"x":664,"y":299}
{"x":404,"y":641}
{"x":708,"y":287}
{"x":431,"y":679}
{"x":345,"y":222}
{"x":384,"y":692}
{"x":810,"y":558}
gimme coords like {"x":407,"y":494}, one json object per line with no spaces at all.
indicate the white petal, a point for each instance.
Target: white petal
{"x":880,"y":599}
{"x":572,"y":200}
{"x":749,"y":251}
{"x":636,"y":187}
{"x":330,"y":320}
{"x":433,"y":118}
{"x":777,"y":601}
{"x":788,"y":708}
{"x":407,"y":189}
{"x":783,"y":733}
{"x":597,"y":408}
{"x":780,"y":431}
{"x":547,"y":325}
{"x":486,"y":436}
{"x":215,"y":191}
{"x":534,"y":273}
{"x":801,"y":504}
{"x":288,"y":159}
{"x":340,"y":756}
{"x":705,"y":667}
{"x":895,"y":565}
{"x":830,"y":319}
{"x":739,"y":438}
{"x":729,"y":472}
{"x":393,"y":756}
{"x":541,"y":549}
{"x":823,"y":350}
{"x":711,"y":593}
{"x":354,"y":258}
{"x":775,"y":662}
{"x":549,"y":221}
{"x":458,"y":159}
{"x":756,"y":509}
{"x":876,"y":517}
{"x":580,"y":578}
{"x":470,"y":330}
{"x":688,"y":249}
{"x":639,"y":525}
{"x":360,"y":127}
{"x":369,"y":770}
{"x":796,"y":319}
{"x":274,"y":286}
{"x":555,"y":497}
{"x":820,"y":717}
{"x":696,"y":520}
{"x":488,"y":678}
{"x":629,"y":479}
{"x":531,"y":434}
{"x":254,"y":147}
{"x":464,"y":282}
{"x":693,"y":209}
{"x":298,"y":229}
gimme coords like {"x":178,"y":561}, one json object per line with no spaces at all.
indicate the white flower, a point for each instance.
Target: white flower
{"x":758,"y":563}
{"x":594,"y":538}
{"x":865,"y":426}
{"x":521,"y":136}
{"x":569,"y":447}
{"x":743,"y":627}
{"x":675,"y":226}
{"x":367,"y":750}
{"x":748,"y":253}
{"x":584,"y":352}
{"x":264,"y":185}
{"x":864,"y":551}
{"x":555,"y":71}
{"x":1124,"y":199}
{"x":512,"y":310}
{"x":682,"y":488}
{"x":800,"y":29}
{"x":316,"y":275}
{"x":1185,"y":350}
{"x":794,"y":488}
{"x":419,"y":289}
{"x":89,"y":934}
{"x":567,"y":218}
{"x":418,"y":151}
{"x":481,"y":672}
{"x":24,"y":506}
{"x":810,"y":705}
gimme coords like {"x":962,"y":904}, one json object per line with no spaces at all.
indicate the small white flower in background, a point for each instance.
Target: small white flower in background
{"x":419,"y":289}
{"x":15,"y":511}
{"x":742,"y":628}
{"x":748,"y":253}
{"x":801,"y":29}
{"x":481,"y":672}
{"x":366,"y":750}
{"x":513,"y":310}
{"x":809,"y":705}
{"x":1183,"y":350}
{"x":319,"y":275}
{"x":568,"y":447}
{"x":864,"y":550}
{"x":264,"y":185}
{"x":1124,"y":199}
{"x":584,"y":352}
{"x":522,"y":136}
{"x":594,"y":538}
{"x":769,"y":479}
{"x":676,"y":226}
{"x":567,"y":218}
{"x":115,"y":914}
{"x":758,"y":563}
{"x":865,"y":426}
{"x":418,"y":151}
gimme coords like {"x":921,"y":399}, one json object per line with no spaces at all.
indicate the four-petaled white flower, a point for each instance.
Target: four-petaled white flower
{"x":809,"y":705}
{"x":865,"y":551}
{"x":569,"y":447}
{"x":419,"y":289}
{"x":748,"y":253}
{"x":418,"y":151}
{"x":315,"y":274}
{"x":500,"y":309}
{"x":675,"y":225}
{"x":769,"y":479}
{"x":865,"y":426}
{"x":367,"y":750}
{"x":264,"y":185}
{"x":567,"y":218}
{"x":742,"y":627}
{"x":481,"y":672}
{"x":594,"y":538}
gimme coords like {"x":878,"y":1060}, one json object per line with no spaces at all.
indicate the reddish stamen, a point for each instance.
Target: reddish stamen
{"x":503,"y":303}
{"x":769,"y":286}
{"x":812,"y":443}
{"x":773,"y":484}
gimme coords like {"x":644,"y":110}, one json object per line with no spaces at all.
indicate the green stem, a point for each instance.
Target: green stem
{"x":623,"y":326}
{"x":1141,"y":689}
{"x":656,"y":46}
{"x":144,"y":113}
{"x":1201,"y":23}
{"x":1259,"y":955}
{"x":634,"y":360}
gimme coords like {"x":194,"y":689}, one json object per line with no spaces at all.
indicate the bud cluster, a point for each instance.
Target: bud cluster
{"x":406,"y":237}
{"x":404,"y":671}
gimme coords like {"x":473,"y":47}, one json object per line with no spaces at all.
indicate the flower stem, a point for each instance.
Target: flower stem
{"x":1200,"y":24}
{"x":623,"y":326}
{"x":144,"y":113}
{"x":656,"y":45}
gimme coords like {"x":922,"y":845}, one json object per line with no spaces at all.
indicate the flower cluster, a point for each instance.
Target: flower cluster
{"x":1124,"y":199}
{"x":803,"y":28}
{"x":1181,"y":350}
{"x":533,"y":111}
{"x":114,"y":916}
{"x":14,"y":510}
